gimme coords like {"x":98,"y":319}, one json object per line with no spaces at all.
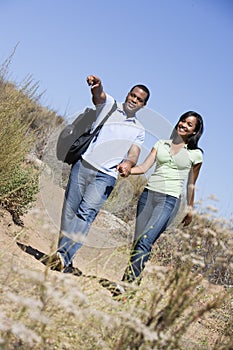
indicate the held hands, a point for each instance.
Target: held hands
{"x":124,"y":168}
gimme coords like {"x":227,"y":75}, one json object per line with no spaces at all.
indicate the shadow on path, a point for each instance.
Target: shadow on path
{"x":45,"y":259}
{"x":34,"y":252}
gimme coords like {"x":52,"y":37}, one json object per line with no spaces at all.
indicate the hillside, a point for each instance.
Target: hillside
{"x":85,"y":311}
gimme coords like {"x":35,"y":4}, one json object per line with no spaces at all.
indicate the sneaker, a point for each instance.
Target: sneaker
{"x":119,"y":290}
{"x":115,"y":288}
{"x":56,"y":262}
{"x":71,"y":269}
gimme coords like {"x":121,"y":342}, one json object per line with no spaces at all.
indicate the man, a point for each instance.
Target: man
{"x":116,"y":148}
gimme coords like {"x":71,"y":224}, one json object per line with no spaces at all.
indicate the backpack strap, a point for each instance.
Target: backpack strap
{"x":97,"y":129}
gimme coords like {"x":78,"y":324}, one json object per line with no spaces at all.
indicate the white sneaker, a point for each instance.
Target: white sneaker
{"x":120,"y":288}
{"x":57,"y":262}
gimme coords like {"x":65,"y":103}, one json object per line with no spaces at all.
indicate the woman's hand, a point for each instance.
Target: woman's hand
{"x":187,"y":219}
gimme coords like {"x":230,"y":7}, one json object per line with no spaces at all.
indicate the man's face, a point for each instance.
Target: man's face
{"x":134,"y":101}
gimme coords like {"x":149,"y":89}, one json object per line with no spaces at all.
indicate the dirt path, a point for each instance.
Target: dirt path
{"x":103,"y":254}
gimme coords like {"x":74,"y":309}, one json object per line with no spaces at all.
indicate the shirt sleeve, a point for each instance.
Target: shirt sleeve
{"x":156,"y":145}
{"x":197,"y":156}
{"x":140,"y":138}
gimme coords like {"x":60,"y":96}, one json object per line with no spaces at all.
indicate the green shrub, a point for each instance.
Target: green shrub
{"x":25,"y":125}
{"x":19,"y":192}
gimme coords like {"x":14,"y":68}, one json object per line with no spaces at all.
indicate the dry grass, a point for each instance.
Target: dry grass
{"x":25,"y":126}
{"x":49,"y":310}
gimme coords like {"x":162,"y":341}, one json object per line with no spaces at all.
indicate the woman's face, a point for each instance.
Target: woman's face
{"x":187,"y":126}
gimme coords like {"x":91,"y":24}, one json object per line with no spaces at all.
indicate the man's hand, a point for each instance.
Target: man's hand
{"x":98,"y":95}
{"x":124,"y":168}
{"x":93,"y":81}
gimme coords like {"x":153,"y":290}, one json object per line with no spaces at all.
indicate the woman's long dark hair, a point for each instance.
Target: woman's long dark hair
{"x":192,"y":142}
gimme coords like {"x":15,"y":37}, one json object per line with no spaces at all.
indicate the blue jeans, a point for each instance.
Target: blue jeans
{"x":154,"y":211}
{"x":86,"y":192}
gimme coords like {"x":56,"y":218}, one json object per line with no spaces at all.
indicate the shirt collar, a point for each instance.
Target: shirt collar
{"x":169,"y":142}
{"x":121,"y":110}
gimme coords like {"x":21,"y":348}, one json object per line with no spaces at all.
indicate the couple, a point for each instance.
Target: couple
{"x":115,"y":151}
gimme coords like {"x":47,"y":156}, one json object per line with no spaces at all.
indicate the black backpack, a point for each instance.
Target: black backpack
{"x":75,"y":138}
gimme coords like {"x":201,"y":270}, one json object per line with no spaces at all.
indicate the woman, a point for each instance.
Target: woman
{"x":176,"y":160}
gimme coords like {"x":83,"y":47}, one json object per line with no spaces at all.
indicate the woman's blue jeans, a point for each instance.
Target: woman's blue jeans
{"x":154,"y":211}
{"x":86,"y":192}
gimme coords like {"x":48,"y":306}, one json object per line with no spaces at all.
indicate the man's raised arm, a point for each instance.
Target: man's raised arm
{"x":98,"y":94}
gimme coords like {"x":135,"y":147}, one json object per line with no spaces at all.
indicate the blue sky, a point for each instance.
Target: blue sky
{"x":181,"y":49}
